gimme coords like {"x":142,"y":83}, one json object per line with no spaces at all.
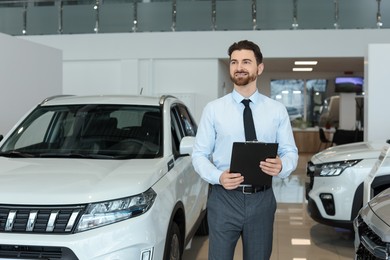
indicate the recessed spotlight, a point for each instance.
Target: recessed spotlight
{"x":308,"y":62}
{"x":302,"y":69}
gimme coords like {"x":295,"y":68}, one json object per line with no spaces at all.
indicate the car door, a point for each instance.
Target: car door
{"x":194,"y":188}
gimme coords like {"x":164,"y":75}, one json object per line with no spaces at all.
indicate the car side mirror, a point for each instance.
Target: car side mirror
{"x":1,"y":137}
{"x":186,"y":145}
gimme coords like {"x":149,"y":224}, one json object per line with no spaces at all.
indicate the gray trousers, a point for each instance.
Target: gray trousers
{"x":232,"y":214}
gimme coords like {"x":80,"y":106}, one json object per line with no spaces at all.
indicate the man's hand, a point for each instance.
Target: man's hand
{"x":230,"y":181}
{"x":271,"y":166}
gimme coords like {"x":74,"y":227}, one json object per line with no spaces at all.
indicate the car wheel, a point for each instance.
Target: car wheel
{"x":173,"y":246}
{"x":203,"y":229}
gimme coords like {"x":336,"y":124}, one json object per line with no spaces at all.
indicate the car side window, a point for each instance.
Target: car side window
{"x":182,"y":124}
{"x":187,"y":122}
{"x":175,"y":129}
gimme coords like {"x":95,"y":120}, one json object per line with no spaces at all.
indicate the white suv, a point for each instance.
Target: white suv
{"x":100,"y":177}
{"x":336,"y":175}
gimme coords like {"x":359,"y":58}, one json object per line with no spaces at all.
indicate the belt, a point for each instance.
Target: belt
{"x":249,"y":189}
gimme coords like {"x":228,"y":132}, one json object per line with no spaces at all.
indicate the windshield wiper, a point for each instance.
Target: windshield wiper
{"x":17,"y":154}
{"x":75,"y":155}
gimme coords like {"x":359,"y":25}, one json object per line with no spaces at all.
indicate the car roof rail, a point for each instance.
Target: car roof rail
{"x":165,"y":97}
{"x":53,"y":97}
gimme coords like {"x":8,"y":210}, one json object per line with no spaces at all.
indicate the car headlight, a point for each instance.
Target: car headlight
{"x":108,"y":212}
{"x":335,"y":168}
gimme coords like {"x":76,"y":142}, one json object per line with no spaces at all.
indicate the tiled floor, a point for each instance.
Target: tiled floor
{"x":296,"y":235}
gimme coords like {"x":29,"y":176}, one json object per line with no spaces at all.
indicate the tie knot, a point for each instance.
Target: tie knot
{"x":246,"y":102}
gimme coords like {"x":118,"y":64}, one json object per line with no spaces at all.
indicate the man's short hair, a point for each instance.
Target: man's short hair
{"x":247,"y":45}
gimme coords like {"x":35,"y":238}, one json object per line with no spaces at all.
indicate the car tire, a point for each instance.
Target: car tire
{"x":203,"y":229}
{"x":173,"y":245}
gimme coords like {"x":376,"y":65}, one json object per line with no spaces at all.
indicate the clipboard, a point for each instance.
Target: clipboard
{"x":246,"y":157}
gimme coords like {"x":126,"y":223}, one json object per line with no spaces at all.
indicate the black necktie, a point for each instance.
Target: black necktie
{"x":249,"y":126}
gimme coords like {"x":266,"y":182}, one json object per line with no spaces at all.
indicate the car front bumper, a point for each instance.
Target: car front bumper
{"x":332,"y":197}
{"x":316,"y":215}
{"x":129,"y":239}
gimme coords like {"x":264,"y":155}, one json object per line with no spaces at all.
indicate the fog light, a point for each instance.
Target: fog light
{"x":147,"y":254}
{"x":328,"y":203}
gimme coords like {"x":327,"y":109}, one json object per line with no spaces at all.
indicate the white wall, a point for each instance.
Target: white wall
{"x":225,"y":84}
{"x":189,"y":64}
{"x":188,"y":79}
{"x":30,"y":72}
{"x":147,"y":76}
{"x":377,"y":123}
{"x":213,"y":44}
{"x":85,"y":77}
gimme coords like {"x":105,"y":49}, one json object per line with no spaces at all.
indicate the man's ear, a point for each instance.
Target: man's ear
{"x":260,"y":68}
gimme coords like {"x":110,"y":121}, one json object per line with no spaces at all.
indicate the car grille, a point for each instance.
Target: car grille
{"x":36,"y":252}
{"x":36,"y":219}
{"x":371,"y":247}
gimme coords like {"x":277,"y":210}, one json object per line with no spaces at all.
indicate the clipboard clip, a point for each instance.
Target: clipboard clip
{"x":254,"y":141}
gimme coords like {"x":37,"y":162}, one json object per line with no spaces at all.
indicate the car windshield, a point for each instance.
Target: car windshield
{"x":88,"y":131}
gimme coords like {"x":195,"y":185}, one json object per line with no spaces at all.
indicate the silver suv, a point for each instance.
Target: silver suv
{"x":372,"y":229}
{"x":100,"y":177}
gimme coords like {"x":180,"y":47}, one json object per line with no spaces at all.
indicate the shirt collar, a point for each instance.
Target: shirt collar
{"x":238,"y":98}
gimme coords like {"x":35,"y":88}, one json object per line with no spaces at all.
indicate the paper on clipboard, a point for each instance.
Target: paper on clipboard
{"x":246,"y":157}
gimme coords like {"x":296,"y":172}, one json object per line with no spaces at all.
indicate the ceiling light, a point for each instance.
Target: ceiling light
{"x":309,"y":62}
{"x":302,"y":69}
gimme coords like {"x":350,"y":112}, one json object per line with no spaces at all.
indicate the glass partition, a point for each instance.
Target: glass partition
{"x":304,"y":99}
{"x":99,"y":16}
{"x":291,"y":93}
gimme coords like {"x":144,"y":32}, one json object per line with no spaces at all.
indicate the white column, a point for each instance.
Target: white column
{"x":30,"y":72}
{"x":347,"y":111}
{"x":377,"y":87}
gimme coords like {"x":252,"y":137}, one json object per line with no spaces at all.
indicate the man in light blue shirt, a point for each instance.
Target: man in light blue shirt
{"x":235,"y":210}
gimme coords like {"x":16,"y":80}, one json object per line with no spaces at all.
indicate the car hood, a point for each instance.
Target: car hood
{"x":75,"y":181}
{"x":380,"y":205}
{"x":360,"y":150}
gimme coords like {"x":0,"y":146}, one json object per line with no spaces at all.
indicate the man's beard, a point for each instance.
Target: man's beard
{"x":242,"y":81}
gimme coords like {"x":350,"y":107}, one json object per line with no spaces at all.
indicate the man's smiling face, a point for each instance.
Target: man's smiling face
{"x":243,"y":67}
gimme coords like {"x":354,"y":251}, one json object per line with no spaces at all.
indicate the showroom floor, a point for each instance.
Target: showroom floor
{"x":296,"y":235}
